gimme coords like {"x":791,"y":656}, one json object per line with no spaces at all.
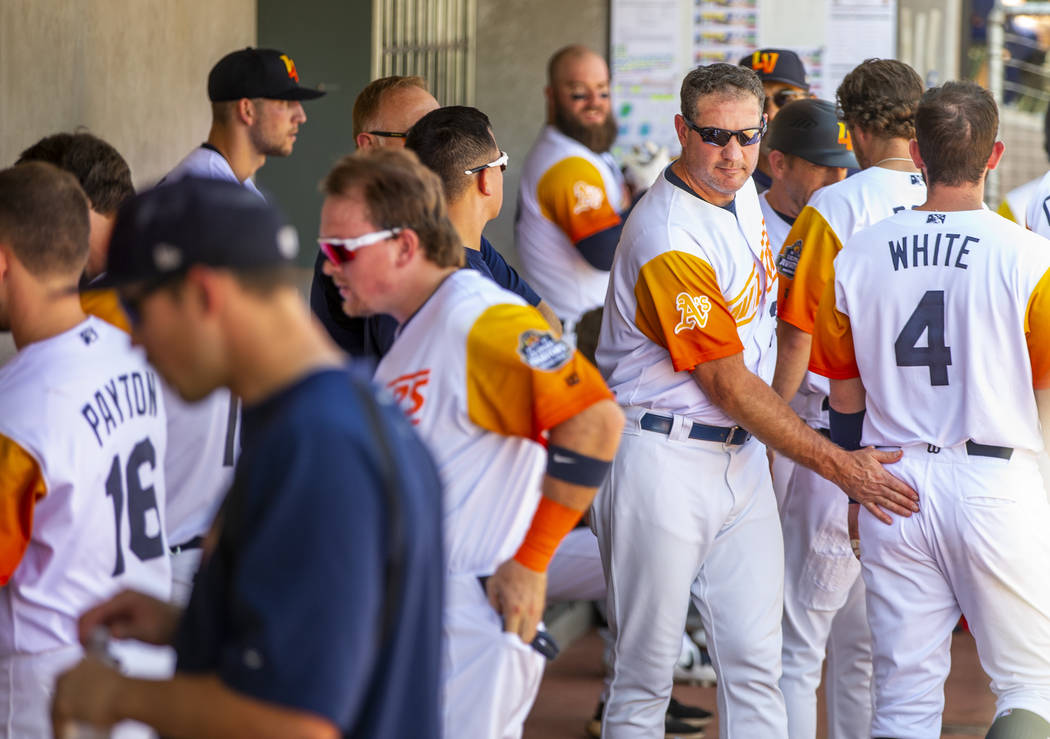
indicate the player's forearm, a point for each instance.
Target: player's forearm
{"x":793,"y":347}
{"x":754,"y":405}
{"x":203,"y":707}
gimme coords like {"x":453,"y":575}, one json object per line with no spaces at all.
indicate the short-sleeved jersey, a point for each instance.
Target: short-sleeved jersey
{"x":300,"y":603}
{"x":482,"y":378}
{"x":82,"y":444}
{"x":777,"y":225}
{"x":567,"y":194}
{"x":1015,"y":204}
{"x":206,"y":161}
{"x":691,"y":282}
{"x":952,"y":315}
{"x":833,"y":214}
{"x":1037,"y":215}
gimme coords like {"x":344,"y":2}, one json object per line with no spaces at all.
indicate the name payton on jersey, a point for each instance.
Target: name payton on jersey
{"x":930,"y":250}
{"x":122,"y":398}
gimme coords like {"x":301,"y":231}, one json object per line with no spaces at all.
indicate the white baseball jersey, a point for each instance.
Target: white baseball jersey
{"x":567,"y":194}
{"x":833,"y":214}
{"x":944,"y":303}
{"x":777,"y":228}
{"x":690,"y":282}
{"x":82,"y":444}
{"x":1015,"y":204}
{"x":479,"y":374}
{"x":1037,"y":215}
{"x":206,"y":162}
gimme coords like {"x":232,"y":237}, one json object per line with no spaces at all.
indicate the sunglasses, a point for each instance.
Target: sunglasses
{"x":390,"y":134}
{"x":501,"y":162}
{"x":781,"y":98}
{"x":722,"y":136}
{"x":341,"y":251}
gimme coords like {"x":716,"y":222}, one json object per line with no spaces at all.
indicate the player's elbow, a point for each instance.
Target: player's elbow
{"x":594,"y":431}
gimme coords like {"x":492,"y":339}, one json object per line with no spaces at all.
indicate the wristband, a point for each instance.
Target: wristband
{"x":575,"y":468}
{"x":551,"y":522}
{"x":846,"y":428}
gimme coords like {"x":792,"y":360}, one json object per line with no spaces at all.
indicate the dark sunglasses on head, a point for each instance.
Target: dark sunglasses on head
{"x":783,"y":97}
{"x":721,"y":136}
{"x":390,"y":134}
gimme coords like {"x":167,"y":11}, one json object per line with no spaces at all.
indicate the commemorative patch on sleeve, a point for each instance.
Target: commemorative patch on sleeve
{"x":541,"y":350}
{"x":787,"y":260}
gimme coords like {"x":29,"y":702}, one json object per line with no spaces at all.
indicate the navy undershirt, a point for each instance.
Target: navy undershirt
{"x":680,"y":183}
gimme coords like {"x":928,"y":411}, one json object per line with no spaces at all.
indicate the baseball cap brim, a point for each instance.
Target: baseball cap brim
{"x":804,"y":86}
{"x":299,"y":93}
{"x":837,"y":158}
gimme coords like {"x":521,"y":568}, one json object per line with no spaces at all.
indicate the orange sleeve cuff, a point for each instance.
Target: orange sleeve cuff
{"x":551,"y":522}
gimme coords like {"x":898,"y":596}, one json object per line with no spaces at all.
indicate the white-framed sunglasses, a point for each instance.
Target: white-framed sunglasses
{"x":340,"y":251}
{"x":501,"y":163}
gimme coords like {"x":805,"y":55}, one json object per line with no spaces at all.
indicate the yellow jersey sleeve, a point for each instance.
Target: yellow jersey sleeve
{"x":521,"y":380}
{"x":1006,"y":212}
{"x":832,"y":354}
{"x":105,"y":304}
{"x":1037,"y":332}
{"x":572,"y":195}
{"x":805,"y":263}
{"x":681,"y":308}
{"x":21,"y":486}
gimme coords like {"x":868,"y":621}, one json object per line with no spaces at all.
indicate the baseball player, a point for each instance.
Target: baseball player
{"x":481,"y":376}
{"x":572,"y":193}
{"x":1015,"y":204}
{"x":316,"y":612}
{"x":950,"y":300}
{"x":82,"y":440}
{"x":687,"y":346}
{"x":783,"y":79}
{"x":823,"y":595}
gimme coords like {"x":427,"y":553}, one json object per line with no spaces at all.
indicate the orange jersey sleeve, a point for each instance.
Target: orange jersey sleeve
{"x":832,"y":354}
{"x":572,"y":195}
{"x":521,"y":380}
{"x":681,"y":308}
{"x":1037,"y":332}
{"x":105,"y":304}
{"x":805,"y":263}
{"x":21,"y":486}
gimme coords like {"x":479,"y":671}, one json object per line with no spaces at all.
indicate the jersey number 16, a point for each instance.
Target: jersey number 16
{"x":141,"y":500}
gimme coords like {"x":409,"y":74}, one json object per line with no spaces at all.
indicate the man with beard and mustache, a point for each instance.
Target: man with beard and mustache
{"x":572,"y":199}
{"x":256,"y":107}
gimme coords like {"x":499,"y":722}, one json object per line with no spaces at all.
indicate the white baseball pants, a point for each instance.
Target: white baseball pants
{"x":490,"y":678}
{"x":979,"y":547}
{"x":679,"y":518}
{"x":824,"y":612}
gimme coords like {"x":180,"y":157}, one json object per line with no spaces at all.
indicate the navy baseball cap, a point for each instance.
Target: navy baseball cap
{"x":810,"y":129}
{"x":777,"y":65}
{"x":162,"y":232}
{"x":257,"y":73}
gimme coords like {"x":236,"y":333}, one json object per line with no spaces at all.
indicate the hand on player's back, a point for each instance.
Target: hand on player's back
{"x":132,"y":615}
{"x":518,"y":594}
{"x":864,"y":479}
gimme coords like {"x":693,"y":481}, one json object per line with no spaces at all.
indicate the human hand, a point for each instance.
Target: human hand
{"x":864,"y":479}
{"x":853,"y":526}
{"x":86,"y":694}
{"x":643,"y":164}
{"x":518,"y":594}
{"x":131,"y":615}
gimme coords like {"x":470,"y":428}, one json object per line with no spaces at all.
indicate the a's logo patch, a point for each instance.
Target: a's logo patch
{"x":693,"y":311}
{"x":88,"y":336}
{"x":408,"y":393}
{"x":935,"y":218}
{"x":588,"y":197}
{"x":787,"y":260}
{"x":541,"y":350}
{"x":290,"y":66}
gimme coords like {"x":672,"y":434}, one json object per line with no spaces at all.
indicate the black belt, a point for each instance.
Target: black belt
{"x":196,"y":542}
{"x":987,"y":450}
{"x":733,"y":435}
{"x":543,"y":642}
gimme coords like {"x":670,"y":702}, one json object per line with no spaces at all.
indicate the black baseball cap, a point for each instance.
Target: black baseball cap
{"x":162,"y":232}
{"x":777,"y":65}
{"x":257,"y":73}
{"x":810,"y":129}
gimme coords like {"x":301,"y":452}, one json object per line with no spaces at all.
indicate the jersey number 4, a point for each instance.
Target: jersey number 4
{"x":141,"y":500}
{"x":928,"y":318}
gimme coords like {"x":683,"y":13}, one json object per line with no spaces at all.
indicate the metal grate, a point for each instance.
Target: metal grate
{"x":435,"y":39}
